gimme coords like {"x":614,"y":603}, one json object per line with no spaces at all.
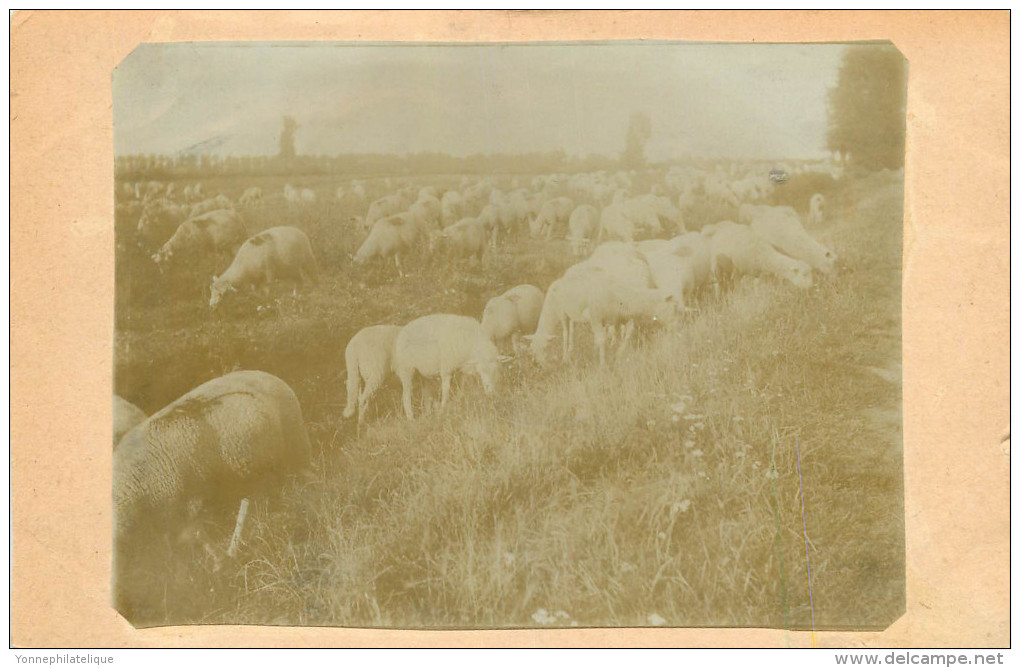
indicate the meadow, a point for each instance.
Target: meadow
{"x":689,"y":482}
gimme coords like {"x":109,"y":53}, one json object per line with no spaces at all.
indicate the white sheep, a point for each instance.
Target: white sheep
{"x":467,"y":238}
{"x":612,"y":303}
{"x":384,"y":207}
{"x":737,"y":249}
{"x":158,"y":222}
{"x":307,"y":196}
{"x":781,"y":227}
{"x":452,"y":206}
{"x":251,"y":197}
{"x":230,"y":439}
{"x":275,"y":254}
{"x":369,"y":358}
{"x":125,"y":417}
{"x":554,"y":216}
{"x":511,"y":314}
{"x":390,"y":237}
{"x":584,"y":226}
{"x":212,"y":204}
{"x":216,"y":231}
{"x":441,"y":345}
{"x":563,"y":307}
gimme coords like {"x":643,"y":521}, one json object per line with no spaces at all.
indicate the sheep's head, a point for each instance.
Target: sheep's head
{"x":217,"y":290}
{"x":486,"y":364}
{"x":799,"y":274}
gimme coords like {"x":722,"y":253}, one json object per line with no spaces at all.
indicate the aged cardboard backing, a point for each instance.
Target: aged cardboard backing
{"x":955,"y":313}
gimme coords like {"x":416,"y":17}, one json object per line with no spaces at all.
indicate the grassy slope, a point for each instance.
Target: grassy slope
{"x":604,"y":495}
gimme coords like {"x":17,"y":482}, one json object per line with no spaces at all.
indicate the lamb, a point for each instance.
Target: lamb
{"x":584,"y":226}
{"x":510,"y":314}
{"x":441,"y":345}
{"x":782,"y":229}
{"x":276,"y":253}
{"x":467,"y":238}
{"x":217,"y":230}
{"x":390,"y":237}
{"x":738,"y":249}
{"x":125,"y":417}
{"x":816,"y":209}
{"x":369,"y":357}
{"x":230,"y":439}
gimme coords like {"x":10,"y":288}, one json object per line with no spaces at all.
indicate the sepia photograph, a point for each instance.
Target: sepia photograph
{"x":509,"y":335}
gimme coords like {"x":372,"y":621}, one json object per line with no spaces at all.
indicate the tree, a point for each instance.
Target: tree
{"x":290,"y":127}
{"x":639,"y":131}
{"x":867,"y":107}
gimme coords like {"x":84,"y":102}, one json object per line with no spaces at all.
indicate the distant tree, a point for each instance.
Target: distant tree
{"x":867,"y":107}
{"x":290,"y":127}
{"x":639,"y":131}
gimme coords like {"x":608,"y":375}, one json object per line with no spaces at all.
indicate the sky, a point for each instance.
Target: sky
{"x":703,"y":99}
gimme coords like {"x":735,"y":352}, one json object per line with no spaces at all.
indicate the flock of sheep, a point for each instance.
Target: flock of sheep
{"x":636,"y":263}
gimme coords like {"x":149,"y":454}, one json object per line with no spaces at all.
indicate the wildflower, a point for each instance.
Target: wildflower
{"x":702,"y":474}
{"x":680,"y":506}
{"x":739,"y":453}
{"x":771,"y":474}
{"x":756,"y":466}
{"x":650,"y":423}
{"x":542,"y":616}
{"x":697,"y":453}
{"x":662,"y":535}
{"x":627,"y":567}
{"x":688,"y":444}
{"x":694,"y":417}
{"x":678,"y":407}
{"x":656,"y":620}
{"x":676,"y":418}
{"x":508,"y":559}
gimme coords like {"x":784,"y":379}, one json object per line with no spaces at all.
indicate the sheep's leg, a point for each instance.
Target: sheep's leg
{"x":396,"y":260}
{"x":366,"y":395}
{"x":407,"y":381}
{"x":628,"y":329}
{"x":353,"y":387}
{"x":515,"y":343}
{"x":566,"y":335}
{"x":446,"y":377}
{"x":242,"y":514}
{"x":599,"y":336}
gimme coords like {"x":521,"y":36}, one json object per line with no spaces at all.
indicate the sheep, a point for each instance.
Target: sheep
{"x":467,"y":238}
{"x":159,"y":220}
{"x":390,"y":237}
{"x":217,"y":230}
{"x":427,"y":212}
{"x":452,"y":206}
{"x":781,"y":227}
{"x":554,"y":213}
{"x":230,"y":439}
{"x":584,"y":226}
{"x":611,"y":302}
{"x":211,"y":204}
{"x":369,"y":357}
{"x":307,"y":196}
{"x":564,"y":305}
{"x":441,"y":345}
{"x":251,"y":197}
{"x":383,"y":207}
{"x":508,"y":315}
{"x":276,"y":253}
{"x":679,"y":266}
{"x":624,"y":262}
{"x":738,"y":249}
{"x":816,"y":209}
{"x":125,"y":417}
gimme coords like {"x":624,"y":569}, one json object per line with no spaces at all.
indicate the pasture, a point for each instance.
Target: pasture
{"x":666,"y":487}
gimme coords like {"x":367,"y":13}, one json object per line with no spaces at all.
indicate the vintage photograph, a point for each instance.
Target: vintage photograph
{"x":509,"y":335}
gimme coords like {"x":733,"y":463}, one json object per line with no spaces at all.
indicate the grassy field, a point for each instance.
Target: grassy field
{"x":665,"y":488}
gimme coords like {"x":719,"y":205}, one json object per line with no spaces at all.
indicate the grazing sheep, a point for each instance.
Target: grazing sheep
{"x":251,"y":197}
{"x":467,"y":238}
{"x":816,"y":209}
{"x":125,"y":416}
{"x":211,"y":204}
{"x":217,"y":231}
{"x":452,"y":206}
{"x":584,"y":226}
{"x":553,"y":217}
{"x":623,"y":262}
{"x":158,"y":222}
{"x":512,"y":313}
{"x":737,"y":249}
{"x":427,"y":212}
{"x":441,"y":345}
{"x":229,"y":439}
{"x":781,"y":227}
{"x":611,"y":303}
{"x":680,"y":265}
{"x":277,"y":253}
{"x":384,"y":207}
{"x":563,"y":307}
{"x":369,"y":357}
{"x":390,"y":237}
{"x":307,"y":196}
